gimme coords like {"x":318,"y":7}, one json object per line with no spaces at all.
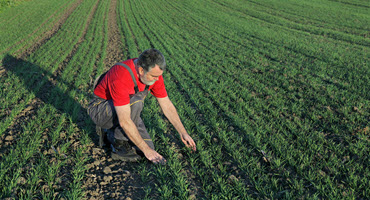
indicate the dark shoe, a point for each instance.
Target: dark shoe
{"x":123,"y":151}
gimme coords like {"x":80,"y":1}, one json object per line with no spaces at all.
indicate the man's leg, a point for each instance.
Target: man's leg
{"x":96,"y":111}
{"x":137,"y":104}
{"x":103,"y":114}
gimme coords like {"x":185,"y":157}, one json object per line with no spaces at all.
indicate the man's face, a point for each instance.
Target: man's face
{"x":150,"y":77}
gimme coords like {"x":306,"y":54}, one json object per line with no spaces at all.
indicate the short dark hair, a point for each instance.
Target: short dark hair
{"x":151,"y":57}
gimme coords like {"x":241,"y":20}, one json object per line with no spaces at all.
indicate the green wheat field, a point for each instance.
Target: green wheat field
{"x":275,"y":93}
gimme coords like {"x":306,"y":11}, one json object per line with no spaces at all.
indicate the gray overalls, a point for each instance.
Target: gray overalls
{"x":104,"y":115}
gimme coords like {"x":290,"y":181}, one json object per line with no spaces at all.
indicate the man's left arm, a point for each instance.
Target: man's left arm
{"x":170,"y":112}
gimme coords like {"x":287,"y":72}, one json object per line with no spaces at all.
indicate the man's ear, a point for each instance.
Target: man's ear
{"x":141,"y":71}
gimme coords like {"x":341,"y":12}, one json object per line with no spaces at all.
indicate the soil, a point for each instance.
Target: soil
{"x":109,"y":179}
{"x":104,"y":178}
{"x":115,"y":46}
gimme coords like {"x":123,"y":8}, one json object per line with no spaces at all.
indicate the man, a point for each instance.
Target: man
{"x":118,"y":101}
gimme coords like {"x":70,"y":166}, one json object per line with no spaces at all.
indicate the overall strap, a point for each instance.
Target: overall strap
{"x":132,"y":75}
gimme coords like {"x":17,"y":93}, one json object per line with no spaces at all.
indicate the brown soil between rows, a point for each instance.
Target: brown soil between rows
{"x":11,"y":134}
{"x":106,"y":178}
{"x":115,"y":47}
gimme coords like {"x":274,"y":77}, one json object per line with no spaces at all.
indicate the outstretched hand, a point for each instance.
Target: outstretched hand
{"x":155,"y":157}
{"x":188,"y":141}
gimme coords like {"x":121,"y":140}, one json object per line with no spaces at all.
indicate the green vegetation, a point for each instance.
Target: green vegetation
{"x":7,"y":3}
{"x":275,"y":94}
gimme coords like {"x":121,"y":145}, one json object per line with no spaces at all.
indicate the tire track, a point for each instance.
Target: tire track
{"x":95,"y":182}
{"x":115,"y":45}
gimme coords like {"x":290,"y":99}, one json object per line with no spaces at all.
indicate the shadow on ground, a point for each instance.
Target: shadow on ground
{"x":44,"y":85}
{"x":104,"y":178}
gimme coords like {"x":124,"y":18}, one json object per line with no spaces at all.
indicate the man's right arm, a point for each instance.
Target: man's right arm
{"x":124,"y":117}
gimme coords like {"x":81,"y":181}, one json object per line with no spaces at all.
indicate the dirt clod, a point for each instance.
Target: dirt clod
{"x":232,"y":178}
{"x":96,"y":162}
{"x":108,"y":178}
{"x":107,"y":170}
{"x":103,"y":183}
{"x":89,"y":166}
{"x":51,"y":151}
{"x":126,"y":173}
{"x":9,"y":138}
{"x":21,"y":180}
{"x":96,"y":151}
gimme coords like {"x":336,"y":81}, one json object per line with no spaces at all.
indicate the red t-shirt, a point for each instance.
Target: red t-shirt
{"x":118,"y":85}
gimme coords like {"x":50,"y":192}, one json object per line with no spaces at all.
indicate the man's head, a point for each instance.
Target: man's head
{"x":151,"y":64}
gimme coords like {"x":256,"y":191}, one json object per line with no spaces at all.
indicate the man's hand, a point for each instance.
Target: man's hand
{"x":155,"y":157}
{"x":170,"y":112}
{"x":133,"y":134}
{"x":188,"y":141}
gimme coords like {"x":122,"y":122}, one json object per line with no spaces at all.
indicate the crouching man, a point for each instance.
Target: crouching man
{"x":118,"y":101}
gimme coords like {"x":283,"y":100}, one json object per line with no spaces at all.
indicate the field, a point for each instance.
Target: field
{"x":274,"y":93}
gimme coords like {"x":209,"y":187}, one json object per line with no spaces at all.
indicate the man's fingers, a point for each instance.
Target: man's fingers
{"x":190,"y":144}
{"x":159,"y":160}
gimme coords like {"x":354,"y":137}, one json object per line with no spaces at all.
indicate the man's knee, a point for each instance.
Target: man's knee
{"x":101,"y":114}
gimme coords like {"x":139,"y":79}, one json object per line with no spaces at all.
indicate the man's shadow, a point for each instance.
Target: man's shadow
{"x":43,"y":84}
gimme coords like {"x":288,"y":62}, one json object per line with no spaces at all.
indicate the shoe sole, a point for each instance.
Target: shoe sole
{"x":126,"y":159}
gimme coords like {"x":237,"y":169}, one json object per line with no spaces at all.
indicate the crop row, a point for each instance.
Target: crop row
{"x":15,"y":39}
{"x":280,"y":64}
{"x":277,"y":103}
{"x":203,"y":85}
{"x":32,"y":73}
{"x":272,"y":38}
{"x":327,"y":15}
{"x":206,"y":158}
{"x":59,"y":141}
